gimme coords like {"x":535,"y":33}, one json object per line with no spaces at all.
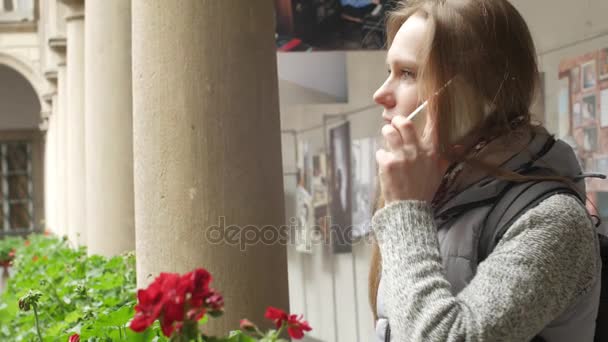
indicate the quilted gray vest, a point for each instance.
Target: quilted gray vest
{"x":460,"y":223}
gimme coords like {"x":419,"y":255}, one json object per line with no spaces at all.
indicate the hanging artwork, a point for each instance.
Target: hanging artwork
{"x":604,"y":108}
{"x":320,"y":196}
{"x":603,"y":64}
{"x":304,"y":208}
{"x":319,"y":179}
{"x":589,"y":75}
{"x":363,"y":165}
{"x":340,"y":231}
{"x":563,"y":107}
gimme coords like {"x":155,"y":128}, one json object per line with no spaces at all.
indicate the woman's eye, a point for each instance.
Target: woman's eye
{"x":408,"y":74}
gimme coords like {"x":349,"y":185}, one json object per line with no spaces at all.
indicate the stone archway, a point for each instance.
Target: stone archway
{"x":28,"y":72}
{"x":21,"y":145}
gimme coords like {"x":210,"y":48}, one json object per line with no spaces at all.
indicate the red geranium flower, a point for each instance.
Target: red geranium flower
{"x":296,"y":326}
{"x":278,"y":316}
{"x":172,"y":299}
{"x":74,"y":338}
{"x":149,"y":306}
{"x":197,"y":283}
{"x":180,"y":301}
{"x":214,"y":301}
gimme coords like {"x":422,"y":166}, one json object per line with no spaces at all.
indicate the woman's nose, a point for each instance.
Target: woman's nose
{"x":384,"y":97}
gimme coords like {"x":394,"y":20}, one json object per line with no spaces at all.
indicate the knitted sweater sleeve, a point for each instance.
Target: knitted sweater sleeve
{"x":545,"y":259}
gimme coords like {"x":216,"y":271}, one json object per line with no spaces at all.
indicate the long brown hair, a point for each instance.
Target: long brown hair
{"x":486,"y":49}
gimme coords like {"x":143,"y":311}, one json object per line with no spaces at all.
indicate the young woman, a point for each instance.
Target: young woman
{"x":475,"y":63}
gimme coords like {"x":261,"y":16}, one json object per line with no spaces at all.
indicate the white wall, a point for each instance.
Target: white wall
{"x":331,"y":290}
{"x":323,"y":72}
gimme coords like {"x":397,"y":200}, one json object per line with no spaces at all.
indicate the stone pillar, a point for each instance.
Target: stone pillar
{"x":207,"y":145}
{"x":49,"y":168}
{"x":75,"y":134}
{"x":52,"y":167}
{"x":108,"y":128}
{"x":62,"y":151}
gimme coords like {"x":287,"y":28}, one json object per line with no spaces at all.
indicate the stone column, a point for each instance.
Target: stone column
{"x":207,"y":148}
{"x":52,"y":167}
{"x":49,"y":168}
{"x":62,"y":151}
{"x":108,"y":128}
{"x":52,"y":139}
{"x":75,"y":134}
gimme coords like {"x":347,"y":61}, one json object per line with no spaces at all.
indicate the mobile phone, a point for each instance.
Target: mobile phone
{"x":418,"y":118}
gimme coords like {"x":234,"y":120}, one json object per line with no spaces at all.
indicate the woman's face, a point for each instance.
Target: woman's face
{"x":399,"y":93}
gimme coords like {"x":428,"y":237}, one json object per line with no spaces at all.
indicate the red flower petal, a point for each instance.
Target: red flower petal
{"x":173,"y":312}
{"x":294,"y":332}
{"x":214,"y":301}
{"x":195,"y":314}
{"x":74,"y":338}
{"x":296,"y":326}
{"x":278,"y":316}
{"x":166,"y":325}
{"x":141,"y":322}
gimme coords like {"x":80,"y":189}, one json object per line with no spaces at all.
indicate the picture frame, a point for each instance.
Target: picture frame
{"x":576,"y":114}
{"x":575,"y":81}
{"x":588,"y":76}
{"x":604,"y":108}
{"x":588,"y":110}
{"x":590,"y":139}
{"x":603,"y":64}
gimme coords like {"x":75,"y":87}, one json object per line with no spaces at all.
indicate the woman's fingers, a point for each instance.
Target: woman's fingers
{"x":392,"y":138}
{"x":406,"y":130}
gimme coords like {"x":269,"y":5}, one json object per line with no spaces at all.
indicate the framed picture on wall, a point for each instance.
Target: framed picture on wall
{"x":363,"y":166}
{"x":563,"y":107}
{"x":576,"y":115}
{"x":590,"y":139}
{"x":589,"y":80}
{"x":588,"y":110}
{"x":340,"y":189}
{"x":604,"y":108}
{"x":575,"y":81}
{"x":319,"y":180}
{"x":603,"y":64}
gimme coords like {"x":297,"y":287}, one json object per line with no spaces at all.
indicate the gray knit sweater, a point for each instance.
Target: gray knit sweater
{"x":546,"y":259}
